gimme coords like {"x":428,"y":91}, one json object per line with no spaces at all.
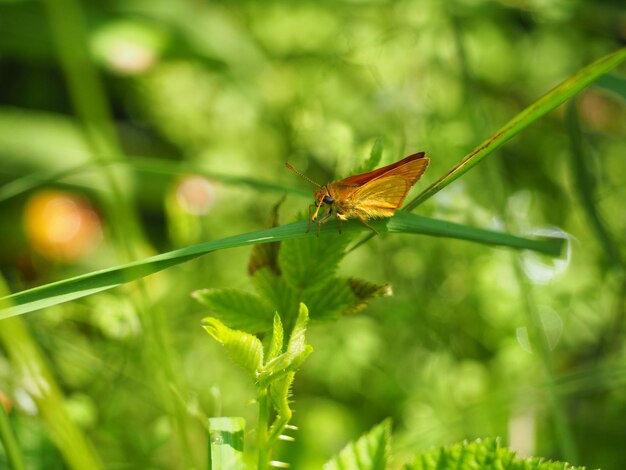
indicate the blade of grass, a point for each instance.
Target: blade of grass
{"x":405,"y":222}
{"x":532,"y":113}
{"x":144,"y":165}
{"x":87,"y":284}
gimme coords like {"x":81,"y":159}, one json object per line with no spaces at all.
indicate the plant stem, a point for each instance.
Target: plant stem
{"x":8,"y":439}
{"x":262,"y":430}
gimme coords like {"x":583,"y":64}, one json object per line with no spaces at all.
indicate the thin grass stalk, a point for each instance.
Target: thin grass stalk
{"x":89,"y":99}
{"x":9,"y":441}
{"x":33,"y":373}
{"x":585,"y":188}
{"x":539,"y":342}
{"x":585,"y":184}
{"x":498,"y":189}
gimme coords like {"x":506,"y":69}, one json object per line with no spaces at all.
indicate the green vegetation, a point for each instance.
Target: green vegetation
{"x":145,"y":203}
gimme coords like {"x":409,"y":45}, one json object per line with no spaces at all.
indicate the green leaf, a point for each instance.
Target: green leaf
{"x":245,"y":349}
{"x":484,"y":454}
{"x":365,"y":292}
{"x":276,"y":345}
{"x":297,"y":340}
{"x":237,"y":309}
{"x":532,"y":113}
{"x":309,"y":262}
{"x":330,"y":299}
{"x":297,"y":351}
{"x":280,"y":391}
{"x":369,"y":452}
{"x":226,"y":441}
{"x":276,"y":292}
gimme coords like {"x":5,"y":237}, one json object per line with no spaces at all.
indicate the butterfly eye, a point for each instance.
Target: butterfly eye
{"x":328,"y":200}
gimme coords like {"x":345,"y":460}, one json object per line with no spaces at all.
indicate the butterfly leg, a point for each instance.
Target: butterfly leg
{"x":326,"y":218}
{"x":308,"y":227}
{"x":364,"y":222}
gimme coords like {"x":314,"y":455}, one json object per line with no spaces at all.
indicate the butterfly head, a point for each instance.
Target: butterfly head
{"x":322,"y":196}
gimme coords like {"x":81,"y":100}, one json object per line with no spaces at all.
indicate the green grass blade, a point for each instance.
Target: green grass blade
{"x":539,"y":108}
{"x":97,"y":281}
{"x":405,"y":222}
{"x":142,"y":165}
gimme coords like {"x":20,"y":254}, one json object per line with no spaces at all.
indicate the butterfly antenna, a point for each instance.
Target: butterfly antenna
{"x":303,"y":176}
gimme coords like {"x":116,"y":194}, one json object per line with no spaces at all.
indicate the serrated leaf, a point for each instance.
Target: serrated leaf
{"x":282,"y":365}
{"x":484,"y":454}
{"x":309,"y":262}
{"x":276,"y":345}
{"x":237,"y":309}
{"x":297,"y":340}
{"x":279,"y":393}
{"x":365,"y":292}
{"x":297,"y":351}
{"x":276,"y":292}
{"x":369,"y":452}
{"x":280,"y":390}
{"x":245,"y":349}
{"x":328,"y":300}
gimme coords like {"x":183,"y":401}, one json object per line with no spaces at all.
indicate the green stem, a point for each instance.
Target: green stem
{"x":31,"y":371}
{"x":263,"y":462}
{"x":11,"y":446}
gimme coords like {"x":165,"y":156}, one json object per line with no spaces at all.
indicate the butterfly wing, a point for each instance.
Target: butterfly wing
{"x":381,"y":196}
{"x":364,"y":178}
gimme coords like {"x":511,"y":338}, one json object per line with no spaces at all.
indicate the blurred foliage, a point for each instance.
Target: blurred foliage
{"x":236,"y":89}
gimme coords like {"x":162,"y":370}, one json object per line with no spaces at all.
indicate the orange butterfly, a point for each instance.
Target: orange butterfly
{"x":374,"y":194}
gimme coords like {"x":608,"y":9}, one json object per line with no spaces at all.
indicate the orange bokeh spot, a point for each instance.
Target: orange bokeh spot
{"x":195,"y":195}
{"x":61,"y":225}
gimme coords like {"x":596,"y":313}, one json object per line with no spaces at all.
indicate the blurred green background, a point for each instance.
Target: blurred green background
{"x":134,"y":127}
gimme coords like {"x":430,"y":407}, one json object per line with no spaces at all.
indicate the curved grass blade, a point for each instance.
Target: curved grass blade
{"x":542,"y":106}
{"x":403,"y":222}
{"x":29,"y":182}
